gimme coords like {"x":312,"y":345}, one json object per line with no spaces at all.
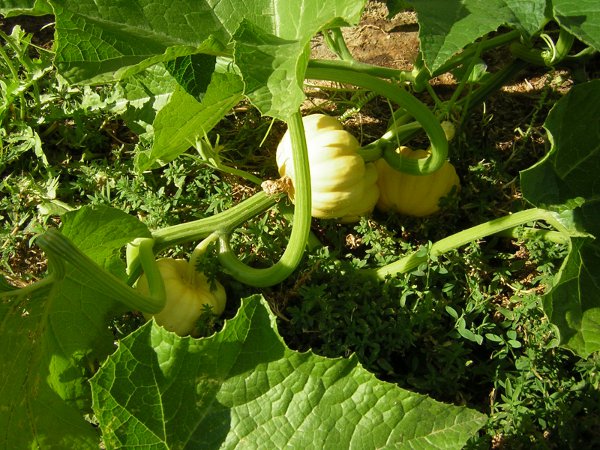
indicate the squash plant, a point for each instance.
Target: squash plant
{"x":243,"y":384}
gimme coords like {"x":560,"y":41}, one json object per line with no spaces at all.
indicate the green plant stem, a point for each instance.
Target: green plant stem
{"x":392,"y":139}
{"x":399,"y":134}
{"x":554,"y":54}
{"x":491,"y":85}
{"x":415,"y":259}
{"x":555,"y":237}
{"x":12,"y":291}
{"x":225,"y":222}
{"x":199,"y":250}
{"x":59,"y":246}
{"x":477,"y":48}
{"x":421,"y":75}
{"x":144,"y":255}
{"x":212,"y":157}
{"x":436,"y":99}
{"x":467,"y":73}
{"x":413,"y":106}
{"x":57,"y":273}
{"x":300,"y":227}
{"x":313,"y":241}
{"x":562,"y":48}
{"x":584,"y":54}
{"x":335,"y":41}
{"x":530,"y":55}
{"x":239,"y":173}
{"x":358,"y":67}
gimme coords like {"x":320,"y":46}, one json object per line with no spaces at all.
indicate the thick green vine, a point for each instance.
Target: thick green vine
{"x":413,"y":106}
{"x":57,"y":245}
{"x":415,"y":259}
{"x":300,"y":225}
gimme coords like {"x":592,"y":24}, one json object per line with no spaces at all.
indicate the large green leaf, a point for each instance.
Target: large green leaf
{"x":53,"y":339}
{"x":573,"y":304}
{"x":274,"y":82}
{"x":570,"y":170}
{"x":101,"y":41}
{"x":447,"y":26}
{"x":569,"y":173}
{"x":581,"y":18}
{"x":162,"y":111}
{"x":243,"y":388}
{"x":273,"y":57}
{"x":183,"y":118}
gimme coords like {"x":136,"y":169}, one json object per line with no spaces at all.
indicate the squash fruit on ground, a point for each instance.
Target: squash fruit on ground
{"x":188,"y":293}
{"x":343,"y":186}
{"x":413,"y":195}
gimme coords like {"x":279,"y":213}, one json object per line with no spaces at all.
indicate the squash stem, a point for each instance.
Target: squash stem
{"x":555,"y":237}
{"x":415,"y":259}
{"x":358,"y":67}
{"x":225,"y":221}
{"x":197,"y":253}
{"x":57,"y":245}
{"x":392,"y":139}
{"x":300,"y":226}
{"x":336,"y":43}
{"x":412,"y":105}
{"x":140,"y":252}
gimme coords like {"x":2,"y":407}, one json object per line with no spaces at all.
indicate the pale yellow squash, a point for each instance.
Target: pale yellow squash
{"x":343,"y":186}
{"x":188,"y":293}
{"x":413,"y":195}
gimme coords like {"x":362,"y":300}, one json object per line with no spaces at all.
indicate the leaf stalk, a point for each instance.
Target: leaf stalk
{"x":415,"y":259}
{"x":300,"y":226}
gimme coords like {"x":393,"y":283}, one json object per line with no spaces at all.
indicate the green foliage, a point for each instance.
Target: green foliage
{"x":475,"y":316}
{"x":565,"y":175}
{"x":64,"y":335}
{"x":20,"y":101}
{"x":447,"y":27}
{"x":279,"y":39}
{"x":291,"y":398}
{"x":31,"y":7}
{"x":570,"y":13}
{"x":506,"y":327}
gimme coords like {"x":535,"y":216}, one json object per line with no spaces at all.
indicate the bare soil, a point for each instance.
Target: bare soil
{"x":378,"y":40}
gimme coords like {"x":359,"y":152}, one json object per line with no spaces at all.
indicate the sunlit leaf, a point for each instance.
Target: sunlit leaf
{"x":243,"y":387}
{"x":447,"y":26}
{"x":569,"y":174}
{"x":54,"y":338}
{"x":581,"y":18}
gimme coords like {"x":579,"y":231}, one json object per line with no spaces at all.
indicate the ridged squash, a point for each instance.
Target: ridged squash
{"x":343,"y":186}
{"x":413,"y":195}
{"x":188,"y":291}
